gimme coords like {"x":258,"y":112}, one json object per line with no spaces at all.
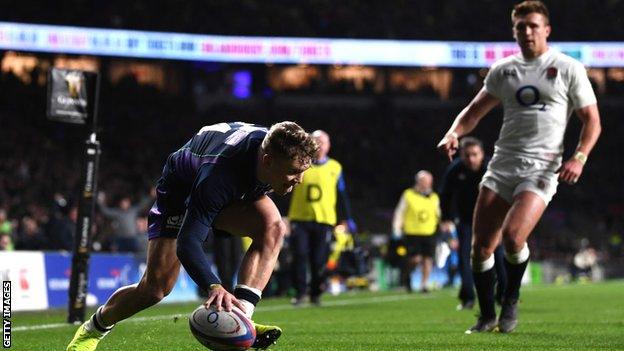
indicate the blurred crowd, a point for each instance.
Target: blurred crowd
{"x":381,"y":144}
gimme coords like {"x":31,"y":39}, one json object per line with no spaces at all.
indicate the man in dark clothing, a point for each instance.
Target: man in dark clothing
{"x":30,"y":236}
{"x":458,"y":194}
{"x":61,"y":227}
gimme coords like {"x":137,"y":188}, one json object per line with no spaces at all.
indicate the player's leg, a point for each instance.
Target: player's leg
{"x":466,"y":291}
{"x":157,"y":282}
{"x":427,"y":252}
{"x":451,"y":268}
{"x":409,"y":264}
{"x":490,"y":212}
{"x":524,"y":214}
{"x":319,"y":253}
{"x":261,"y":221}
{"x":161,"y":271}
{"x":299,"y":245}
{"x":163,"y":266}
{"x":501,"y":273}
{"x":427,"y":264}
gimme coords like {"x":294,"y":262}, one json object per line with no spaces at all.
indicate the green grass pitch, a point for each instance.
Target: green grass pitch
{"x":568,"y":317}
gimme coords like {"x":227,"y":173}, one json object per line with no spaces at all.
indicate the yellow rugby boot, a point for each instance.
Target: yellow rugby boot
{"x":266,"y":335}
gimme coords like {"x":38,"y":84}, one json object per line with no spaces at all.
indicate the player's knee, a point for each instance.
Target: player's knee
{"x":513,"y":244}
{"x":155,"y":292}
{"x":513,"y":241}
{"x":482,"y":252}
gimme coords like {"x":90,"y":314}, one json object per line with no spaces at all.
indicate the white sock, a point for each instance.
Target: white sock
{"x":90,"y":326}
{"x":249,"y":308}
{"x":484,"y":266}
{"x":518,"y":257}
{"x":98,"y":316}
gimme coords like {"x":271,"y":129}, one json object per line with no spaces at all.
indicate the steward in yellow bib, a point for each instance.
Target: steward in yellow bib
{"x":416,"y":220}
{"x":312,"y":215}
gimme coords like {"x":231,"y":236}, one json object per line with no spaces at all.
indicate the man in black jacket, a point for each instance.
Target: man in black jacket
{"x":458,"y":194}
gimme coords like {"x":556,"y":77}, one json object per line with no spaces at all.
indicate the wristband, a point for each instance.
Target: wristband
{"x":581,"y":157}
{"x":215,"y":286}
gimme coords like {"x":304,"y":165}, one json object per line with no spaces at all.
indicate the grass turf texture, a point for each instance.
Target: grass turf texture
{"x":569,"y":317}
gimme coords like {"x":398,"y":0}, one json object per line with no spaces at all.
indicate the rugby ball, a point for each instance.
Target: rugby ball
{"x":222,"y":330}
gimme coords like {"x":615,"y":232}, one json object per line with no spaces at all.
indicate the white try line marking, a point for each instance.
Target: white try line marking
{"x":354,"y":301}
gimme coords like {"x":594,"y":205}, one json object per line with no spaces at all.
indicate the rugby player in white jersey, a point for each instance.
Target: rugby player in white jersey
{"x":539,"y":89}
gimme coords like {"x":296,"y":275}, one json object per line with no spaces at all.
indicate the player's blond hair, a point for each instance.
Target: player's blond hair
{"x":288,"y":139}
{"x":530,"y":6}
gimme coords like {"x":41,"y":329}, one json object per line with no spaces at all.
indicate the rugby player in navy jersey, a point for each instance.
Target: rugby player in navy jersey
{"x":219,"y":179}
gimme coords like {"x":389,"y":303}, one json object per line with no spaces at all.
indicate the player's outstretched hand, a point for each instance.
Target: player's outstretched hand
{"x":449,"y":145}
{"x":570,"y":171}
{"x":222,"y":299}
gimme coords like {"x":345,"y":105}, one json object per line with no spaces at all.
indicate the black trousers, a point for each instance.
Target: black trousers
{"x":310,"y":245}
{"x":467,"y":290}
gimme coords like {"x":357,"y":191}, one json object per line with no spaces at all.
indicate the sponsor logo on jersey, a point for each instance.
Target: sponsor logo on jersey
{"x":175,"y":221}
{"x":510,"y":72}
{"x":529,"y":96}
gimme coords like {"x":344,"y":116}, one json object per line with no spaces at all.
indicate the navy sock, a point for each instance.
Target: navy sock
{"x":514,"y":279}
{"x":246,"y":294}
{"x":96,"y":323}
{"x":484,"y":284}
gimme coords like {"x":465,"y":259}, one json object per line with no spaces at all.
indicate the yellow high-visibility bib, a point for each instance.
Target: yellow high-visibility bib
{"x":422,"y":213}
{"x":314,"y":200}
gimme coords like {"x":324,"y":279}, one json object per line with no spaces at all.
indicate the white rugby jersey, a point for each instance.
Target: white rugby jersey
{"x":538,"y":97}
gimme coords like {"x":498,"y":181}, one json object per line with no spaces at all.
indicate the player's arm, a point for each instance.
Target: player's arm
{"x":571,"y":170}
{"x":466,"y":121}
{"x":205,"y":202}
{"x":192,"y":256}
{"x":447,"y":190}
{"x":397,"y":219}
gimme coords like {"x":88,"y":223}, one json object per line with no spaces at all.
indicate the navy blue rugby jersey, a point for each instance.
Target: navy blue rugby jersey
{"x":220,"y":161}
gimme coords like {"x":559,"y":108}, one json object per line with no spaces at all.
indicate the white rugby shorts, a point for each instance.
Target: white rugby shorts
{"x":509,"y":175}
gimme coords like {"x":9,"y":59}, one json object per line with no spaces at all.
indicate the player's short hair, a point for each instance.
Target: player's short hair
{"x":530,"y":6}
{"x":289,"y":140}
{"x":467,"y":142}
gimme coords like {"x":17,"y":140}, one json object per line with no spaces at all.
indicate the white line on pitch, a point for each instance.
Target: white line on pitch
{"x":354,"y":301}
